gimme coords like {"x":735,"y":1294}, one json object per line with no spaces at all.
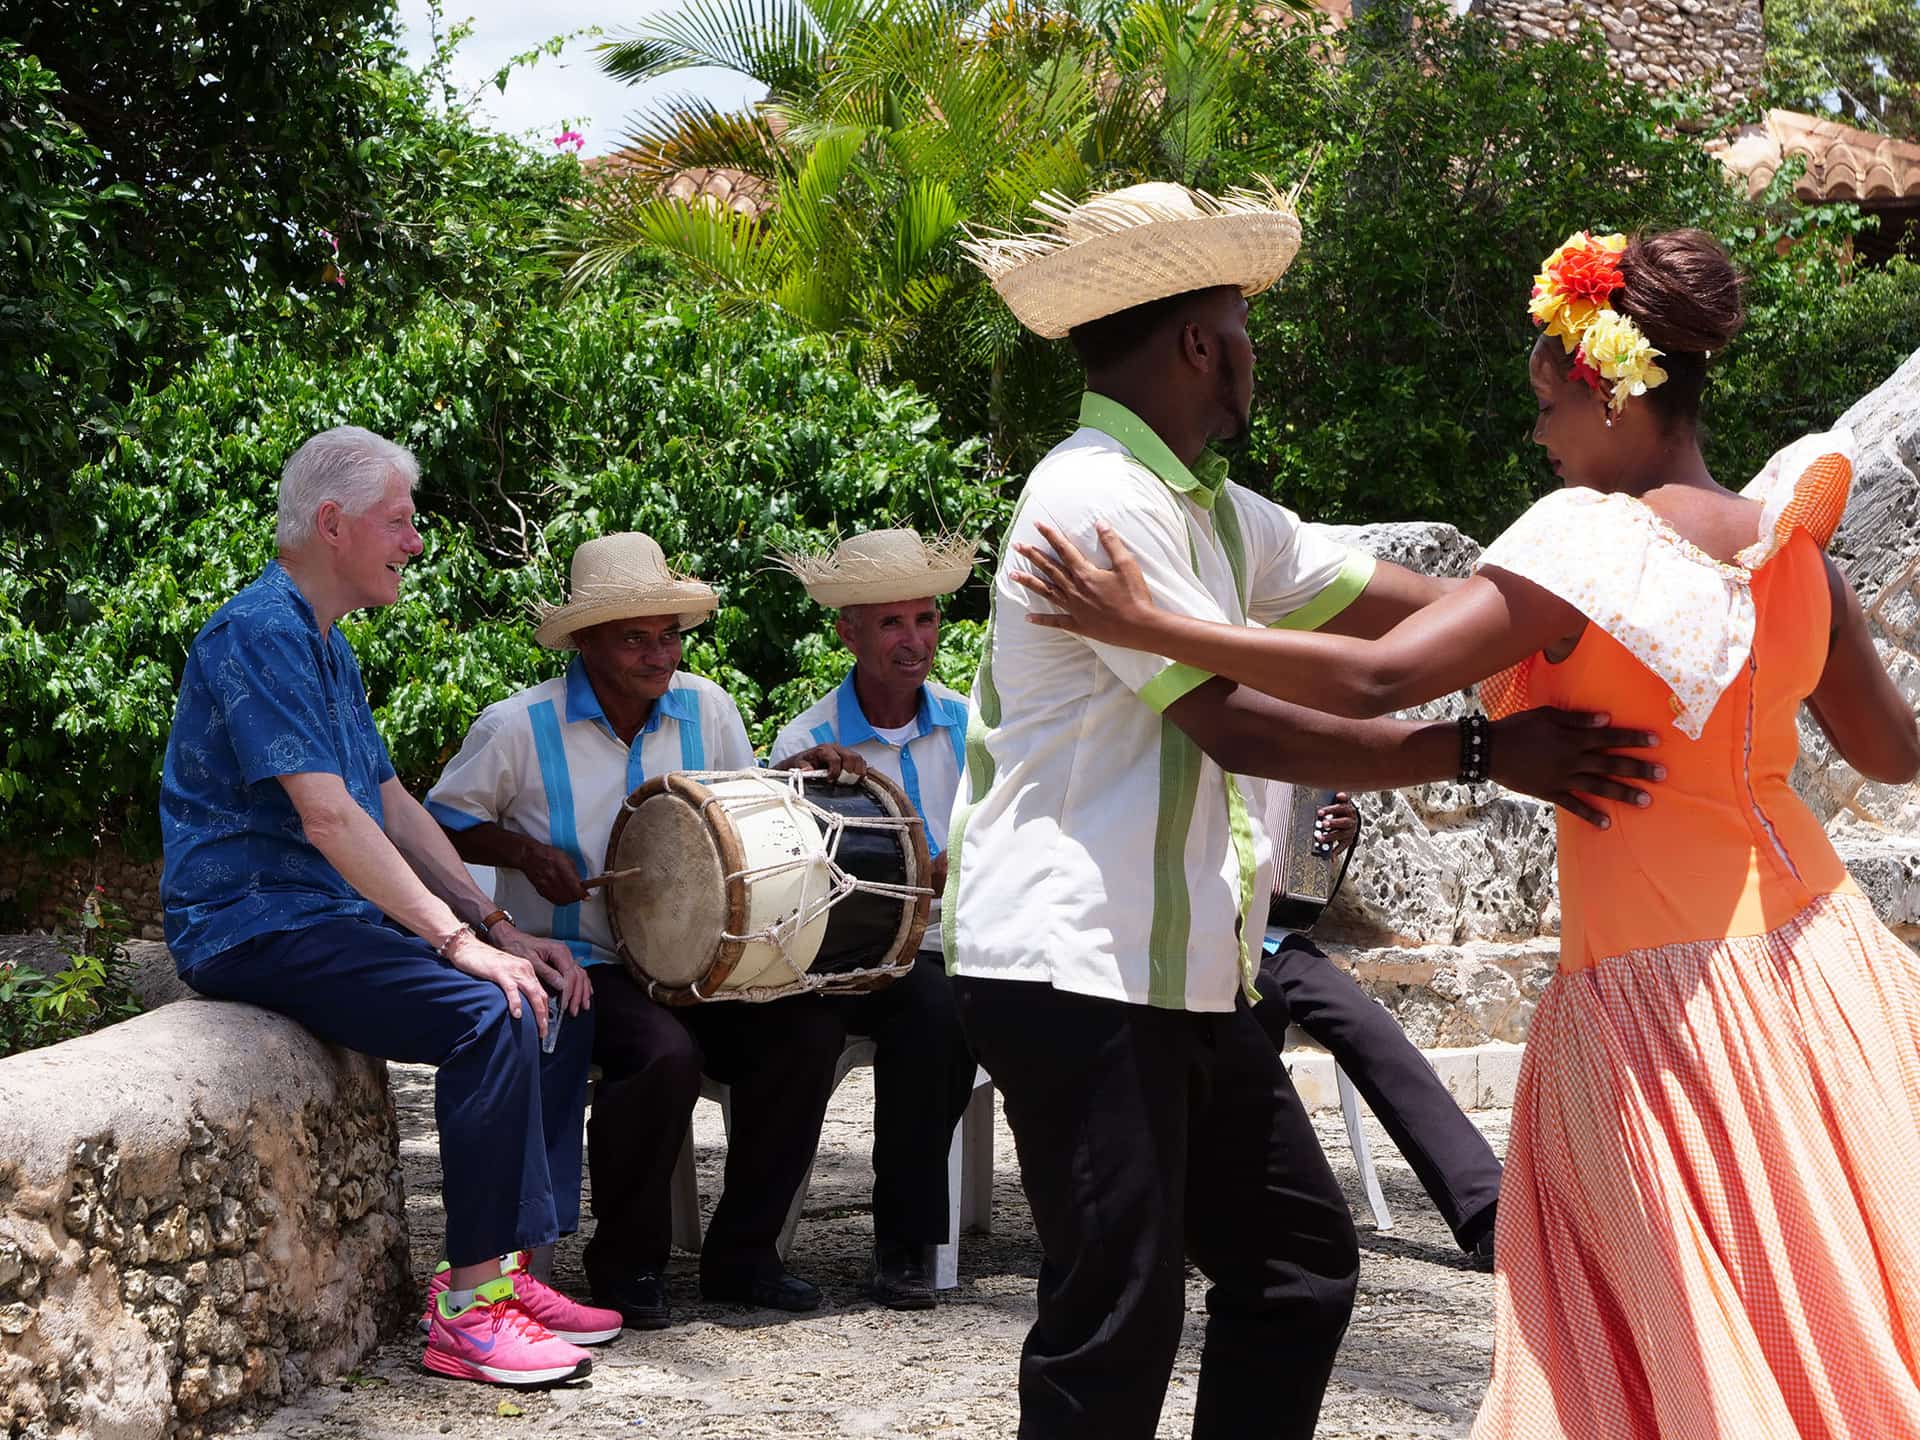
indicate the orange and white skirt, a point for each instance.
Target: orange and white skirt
{"x":1710,"y":1222}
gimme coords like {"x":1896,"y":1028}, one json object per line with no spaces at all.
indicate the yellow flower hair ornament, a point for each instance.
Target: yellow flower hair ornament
{"x":1572,"y":299}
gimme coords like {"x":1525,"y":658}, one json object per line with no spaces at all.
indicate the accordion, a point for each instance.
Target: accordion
{"x":1306,"y":874}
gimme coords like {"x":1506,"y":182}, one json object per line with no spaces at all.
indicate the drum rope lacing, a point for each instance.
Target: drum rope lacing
{"x":792,"y":797}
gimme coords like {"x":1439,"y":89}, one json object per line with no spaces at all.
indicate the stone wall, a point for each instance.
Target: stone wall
{"x":35,"y":889}
{"x":1439,"y":864}
{"x":1711,"y":45}
{"x":200,"y":1210}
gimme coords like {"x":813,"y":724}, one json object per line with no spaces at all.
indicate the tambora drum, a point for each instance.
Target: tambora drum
{"x":755,"y":884}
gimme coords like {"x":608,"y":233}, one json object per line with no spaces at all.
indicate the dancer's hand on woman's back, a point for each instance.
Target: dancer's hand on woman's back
{"x":1571,"y":758}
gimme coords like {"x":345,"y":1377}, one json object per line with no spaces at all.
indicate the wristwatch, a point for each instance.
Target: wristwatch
{"x":483,"y":927}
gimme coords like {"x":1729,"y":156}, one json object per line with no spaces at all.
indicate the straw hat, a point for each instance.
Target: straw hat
{"x":883,"y":566}
{"x":1124,"y":248}
{"x":622,"y":577}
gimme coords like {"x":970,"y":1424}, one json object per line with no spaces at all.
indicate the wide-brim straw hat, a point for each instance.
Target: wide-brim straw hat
{"x":622,"y":577}
{"x":1127,"y":247}
{"x":882,"y":567}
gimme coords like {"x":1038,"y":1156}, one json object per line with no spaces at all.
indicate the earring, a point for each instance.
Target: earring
{"x":1609,"y":422}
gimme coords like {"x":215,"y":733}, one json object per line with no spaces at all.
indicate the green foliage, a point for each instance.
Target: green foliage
{"x":888,"y":127}
{"x":200,"y":172}
{"x":724,"y":439}
{"x":1856,"y":59}
{"x":1446,"y":162}
{"x":1821,"y":332}
{"x":94,"y":989}
{"x":60,"y":316}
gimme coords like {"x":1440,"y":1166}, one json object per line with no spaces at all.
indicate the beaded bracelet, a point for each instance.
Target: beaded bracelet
{"x":1476,"y":749}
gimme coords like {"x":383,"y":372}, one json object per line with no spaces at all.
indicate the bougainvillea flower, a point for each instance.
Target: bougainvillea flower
{"x":570,"y":137}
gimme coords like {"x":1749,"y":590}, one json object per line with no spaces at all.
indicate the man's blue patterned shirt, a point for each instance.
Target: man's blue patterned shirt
{"x":264,"y":694}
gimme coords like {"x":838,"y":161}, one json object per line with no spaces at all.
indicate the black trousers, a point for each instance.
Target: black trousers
{"x":1147,"y":1137}
{"x":922,"y":1078}
{"x":779,"y":1060}
{"x":1451,"y":1157}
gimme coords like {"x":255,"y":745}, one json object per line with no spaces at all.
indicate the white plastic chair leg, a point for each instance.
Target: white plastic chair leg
{"x":946,"y":1257}
{"x":686,"y":1199}
{"x":1362,"y":1151}
{"x":969,"y":1181}
{"x":976,"y":1140}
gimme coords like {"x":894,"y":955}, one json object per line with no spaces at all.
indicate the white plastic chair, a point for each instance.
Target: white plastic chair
{"x":969,"y":1171}
{"x":1362,"y":1151}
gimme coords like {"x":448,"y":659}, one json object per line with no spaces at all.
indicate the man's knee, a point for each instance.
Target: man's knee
{"x":662,"y":1050}
{"x":813,"y":1032}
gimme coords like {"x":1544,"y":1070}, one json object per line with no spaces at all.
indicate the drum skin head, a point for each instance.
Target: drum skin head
{"x":668,"y":918}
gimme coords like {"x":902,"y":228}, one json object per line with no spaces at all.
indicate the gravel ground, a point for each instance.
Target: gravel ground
{"x":1414,"y":1363}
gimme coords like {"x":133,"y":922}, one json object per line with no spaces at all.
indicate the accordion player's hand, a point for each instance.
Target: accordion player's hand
{"x":1337,"y":825}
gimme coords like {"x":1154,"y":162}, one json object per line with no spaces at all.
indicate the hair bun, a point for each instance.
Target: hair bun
{"x":1682,"y":291}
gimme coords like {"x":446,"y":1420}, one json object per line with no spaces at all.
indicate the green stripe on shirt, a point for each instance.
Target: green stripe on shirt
{"x":979,"y":764}
{"x":1172,"y":929}
{"x":1345,"y":588}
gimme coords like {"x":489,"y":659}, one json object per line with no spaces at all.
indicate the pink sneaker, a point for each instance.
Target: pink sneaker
{"x":434,"y":1287}
{"x":496,"y":1341}
{"x":575,"y":1323}
{"x":568,"y":1319}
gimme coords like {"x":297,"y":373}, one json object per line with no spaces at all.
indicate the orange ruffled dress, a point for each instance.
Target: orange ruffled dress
{"x":1708,"y":1228}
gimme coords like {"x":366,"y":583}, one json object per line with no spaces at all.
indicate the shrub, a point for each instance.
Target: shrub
{"x":93,"y":990}
{"x":723,"y":438}
{"x":1444,"y":159}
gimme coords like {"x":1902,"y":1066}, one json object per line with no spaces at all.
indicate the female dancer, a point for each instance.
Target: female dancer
{"x":1704,"y":1230}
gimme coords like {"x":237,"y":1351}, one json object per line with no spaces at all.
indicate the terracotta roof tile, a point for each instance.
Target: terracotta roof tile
{"x":1842,"y":163}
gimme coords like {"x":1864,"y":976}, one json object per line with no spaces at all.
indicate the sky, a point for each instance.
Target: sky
{"x":565,"y":91}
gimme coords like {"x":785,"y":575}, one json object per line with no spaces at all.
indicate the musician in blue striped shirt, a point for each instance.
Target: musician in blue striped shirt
{"x":533,"y":793}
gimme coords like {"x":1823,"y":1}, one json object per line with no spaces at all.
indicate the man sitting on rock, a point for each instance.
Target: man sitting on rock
{"x":534,"y":792}
{"x":893,"y":714}
{"x":301,"y":876}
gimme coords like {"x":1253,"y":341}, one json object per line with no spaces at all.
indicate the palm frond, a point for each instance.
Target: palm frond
{"x":727,"y":249}
{"x":777,"y":42}
{"x":1055,"y":167}
{"x":686,"y":132}
{"x":805,"y":216}
{"x":922,"y":218}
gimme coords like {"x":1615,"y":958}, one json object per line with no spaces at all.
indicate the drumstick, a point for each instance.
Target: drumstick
{"x":594,"y":882}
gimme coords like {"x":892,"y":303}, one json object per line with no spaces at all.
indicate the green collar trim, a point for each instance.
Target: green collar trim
{"x":1201,"y":484}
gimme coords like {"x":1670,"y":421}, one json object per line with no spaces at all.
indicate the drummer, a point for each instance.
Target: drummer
{"x":903,"y":723}
{"x":534,"y":792}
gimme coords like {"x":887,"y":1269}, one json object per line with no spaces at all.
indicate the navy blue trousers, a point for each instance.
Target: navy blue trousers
{"x":511,"y":1119}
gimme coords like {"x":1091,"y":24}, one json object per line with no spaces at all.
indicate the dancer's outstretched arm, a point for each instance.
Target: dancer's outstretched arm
{"x":1475,"y":630}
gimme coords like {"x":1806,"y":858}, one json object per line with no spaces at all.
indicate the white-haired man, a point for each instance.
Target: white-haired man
{"x":301,"y":876}
{"x":534,"y":792}
{"x":892,"y":713}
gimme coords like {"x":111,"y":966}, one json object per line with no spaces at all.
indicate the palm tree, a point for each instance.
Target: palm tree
{"x":887,"y":125}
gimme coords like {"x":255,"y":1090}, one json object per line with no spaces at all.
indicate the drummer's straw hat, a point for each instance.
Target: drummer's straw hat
{"x":883,"y":566}
{"x":622,"y":577}
{"x":1146,"y":242}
